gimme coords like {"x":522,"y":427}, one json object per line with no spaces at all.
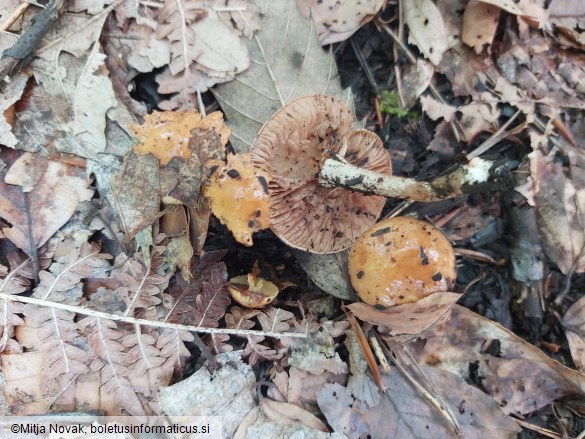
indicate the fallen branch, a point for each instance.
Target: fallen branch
{"x":16,"y":56}
{"x":477,"y":176}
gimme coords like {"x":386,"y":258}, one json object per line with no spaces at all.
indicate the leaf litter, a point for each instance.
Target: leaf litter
{"x":107,"y":268}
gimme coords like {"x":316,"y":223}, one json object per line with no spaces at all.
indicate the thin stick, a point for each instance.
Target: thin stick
{"x":493,"y":139}
{"x":16,"y":56}
{"x":144,"y":322}
{"x":14,"y":16}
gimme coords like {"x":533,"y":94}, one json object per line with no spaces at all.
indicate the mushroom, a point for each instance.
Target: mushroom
{"x":401,"y":260}
{"x":252,"y":291}
{"x":239,"y":197}
{"x":290,"y":148}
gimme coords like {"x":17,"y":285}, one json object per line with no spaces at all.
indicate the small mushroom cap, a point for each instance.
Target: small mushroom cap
{"x":290,"y":148}
{"x":239,"y":197}
{"x":401,"y":260}
{"x":251,"y":291}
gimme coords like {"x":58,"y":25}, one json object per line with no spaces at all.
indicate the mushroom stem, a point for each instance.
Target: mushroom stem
{"x":477,"y":176}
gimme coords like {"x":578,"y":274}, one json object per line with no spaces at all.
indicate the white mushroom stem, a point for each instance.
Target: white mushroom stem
{"x":477,"y":176}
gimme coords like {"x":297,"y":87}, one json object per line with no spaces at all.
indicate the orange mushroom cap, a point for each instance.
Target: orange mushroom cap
{"x":290,"y":148}
{"x":239,"y":197}
{"x":401,"y":260}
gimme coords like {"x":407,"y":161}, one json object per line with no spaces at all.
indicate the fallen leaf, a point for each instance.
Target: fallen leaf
{"x":286,"y":65}
{"x":328,"y":272}
{"x":337,"y":21}
{"x":524,"y":8}
{"x":409,"y":318}
{"x":9,"y":97}
{"x":66,"y":106}
{"x":205,"y":45}
{"x":558,"y":196}
{"x":574,"y":323}
{"x":427,"y":28}
{"x":37,"y":197}
{"x":136,"y":193}
{"x":415,"y":80}
{"x":403,"y":412}
{"x":288,"y":413}
{"x":517,"y":375}
{"x":480,"y":22}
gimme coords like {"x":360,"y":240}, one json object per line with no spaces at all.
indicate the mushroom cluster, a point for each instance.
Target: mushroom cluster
{"x":290,"y":149}
{"x":401,"y":260}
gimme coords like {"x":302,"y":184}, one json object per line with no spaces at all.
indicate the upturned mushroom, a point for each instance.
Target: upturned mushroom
{"x":252,"y":291}
{"x":290,"y":149}
{"x":401,"y":260}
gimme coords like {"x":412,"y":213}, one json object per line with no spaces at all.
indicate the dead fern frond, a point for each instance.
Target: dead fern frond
{"x":172,"y":347}
{"x":65,"y":275}
{"x":14,"y":281}
{"x":109,"y":359}
{"x":143,"y":284}
{"x":183,"y":293}
{"x":57,"y":334}
{"x":213,"y":300}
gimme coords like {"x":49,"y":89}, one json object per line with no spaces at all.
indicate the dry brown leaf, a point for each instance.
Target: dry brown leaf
{"x":167,"y":134}
{"x":37,"y":197}
{"x":302,"y":386}
{"x":205,"y":46}
{"x":337,"y":21}
{"x":183,"y":293}
{"x":286,"y":65}
{"x":287,"y":413}
{"x":574,"y":323}
{"x":256,"y":351}
{"x":9,"y":97}
{"x":240,"y":15}
{"x":410,"y":318}
{"x":529,"y":9}
{"x":415,"y":80}
{"x":239,"y":318}
{"x":403,"y":412}
{"x":480,"y":22}
{"x":473,"y":118}
{"x":558,"y":196}
{"x":136,"y":193}
{"x":517,"y":375}
{"x":427,"y":28}
{"x":275,"y":319}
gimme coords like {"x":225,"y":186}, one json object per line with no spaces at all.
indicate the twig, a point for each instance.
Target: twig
{"x":365,"y":66}
{"x":14,"y":16}
{"x":144,"y":322}
{"x":493,"y":139}
{"x":538,"y":429}
{"x":403,"y":359}
{"x":477,"y":176}
{"x":16,"y":56}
